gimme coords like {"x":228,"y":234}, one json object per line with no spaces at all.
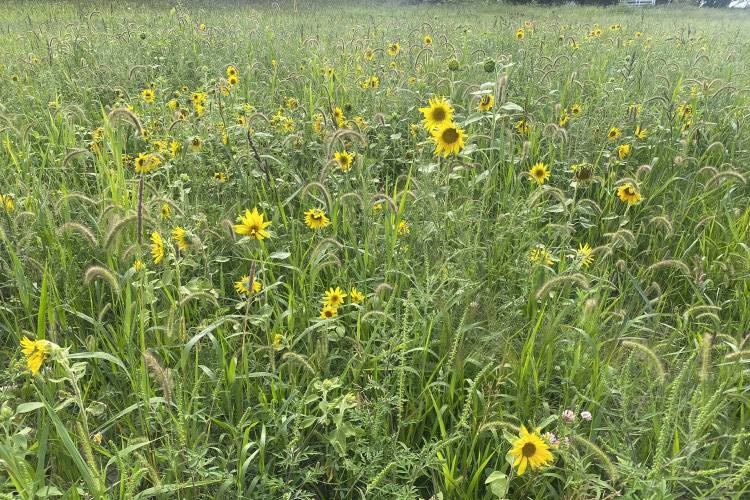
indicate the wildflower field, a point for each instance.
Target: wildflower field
{"x":373,"y":251}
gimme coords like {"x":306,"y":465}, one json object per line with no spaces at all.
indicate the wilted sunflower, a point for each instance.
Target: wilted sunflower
{"x":394,"y":48}
{"x":449,"y":139}
{"x":539,"y":173}
{"x":629,"y":194}
{"x":334,"y":297}
{"x":36,"y":351}
{"x":180,"y":236}
{"x":438,"y":113}
{"x":530,"y":449}
{"x":486,"y":102}
{"x":584,"y":254}
{"x":195,"y":144}
{"x":345,"y":159}
{"x":315,"y":218}
{"x":157,"y":247}
{"x":403,"y":228}
{"x":369,"y":54}
{"x":640,"y":133}
{"x":243,"y":286}
{"x":252,"y":224}
{"x":583,"y":173}
{"x":614,"y":133}
{"x":623,"y":150}
{"x":328,"y":312}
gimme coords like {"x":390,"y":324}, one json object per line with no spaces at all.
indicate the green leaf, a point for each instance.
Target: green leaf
{"x":27,"y":407}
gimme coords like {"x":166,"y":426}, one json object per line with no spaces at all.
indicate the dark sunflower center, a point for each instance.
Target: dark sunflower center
{"x":316,"y":216}
{"x":528,"y":450}
{"x":538,"y":172}
{"x":486,"y":100}
{"x":329,"y":314}
{"x":450,"y":135}
{"x":438,"y":114}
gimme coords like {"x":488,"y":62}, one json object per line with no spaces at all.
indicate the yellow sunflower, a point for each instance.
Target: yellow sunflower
{"x":244,"y":286}
{"x":539,"y":254}
{"x":334,"y":297}
{"x":157,"y":247}
{"x":148,"y":95}
{"x":614,"y":133}
{"x":180,"y":236}
{"x":486,"y":102}
{"x":355,"y":296}
{"x":328,"y":312}
{"x":628,"y":193}
{"x":438,"y":113}
{"x":584,"y":254}
{"x":394,"y":49}
{"x":252,"y":224}
{"x":539,"y":173}
{"x":448,"y":139}
{"x":623,"y":150}
{"x":575,"y":109}
{"x":520,"y":34}
{"x":315,"y":218}
{"x":36,"y":351}
{"x":427,"y":39}
{"x":530,"y":449}
{"x":345,"y":159}
{"x":640,"y":133}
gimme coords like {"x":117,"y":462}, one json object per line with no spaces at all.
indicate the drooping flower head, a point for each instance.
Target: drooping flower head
{"x":157,"y":247}
{"x":36,"y":351}
{"x":628,"y":193}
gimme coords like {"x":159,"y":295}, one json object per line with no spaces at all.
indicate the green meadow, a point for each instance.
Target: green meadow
{"x":373,"y":251}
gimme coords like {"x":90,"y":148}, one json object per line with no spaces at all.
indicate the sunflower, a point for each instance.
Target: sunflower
{"x":334,"y":297}
{"x":180,"y":236}
{"x":175,"y":147}
{"x":640,"y":133}
{"x":539,"y":254}
{"x":220,"y":176}
{"x":148,"y":95}
{"x":584,"y":172}
{"x":338,"y":115}
{"x":522,"y":127}
{"x":614,"y":133}
{"x":315,"y":218}
{"x":520,"y":34}
{"x":629,"y":194}
{"x":328,"y":312}
{"x":146,"y":162}
{"x":564,"y":117}
{"x":36,"y":351}
{"x":438,"y":113}
{"x":530,"y":449}
{"x":345,"y":159}
{"x":355,"y":296}
{"x":157,"y":247}
{"x":403,"y":228}
{"x":195,"y":144}
{"x":427,"y":39}
{"x":166,"y":211}
{"x":575,"y":109}
{"x":233,"y":80}
{"x":394,"y":48}
{"x":369,"y":54}
{"x":448,"y":139}
{"x":584,"y":254}
{"x":244,"y":285}
{"x":539,"y":173}
{"x":486,"y":102}
{"x":6,"y":202}
{"x":231,"y":70}
{"x":252,"y":224}
{"x":623,"y":150}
